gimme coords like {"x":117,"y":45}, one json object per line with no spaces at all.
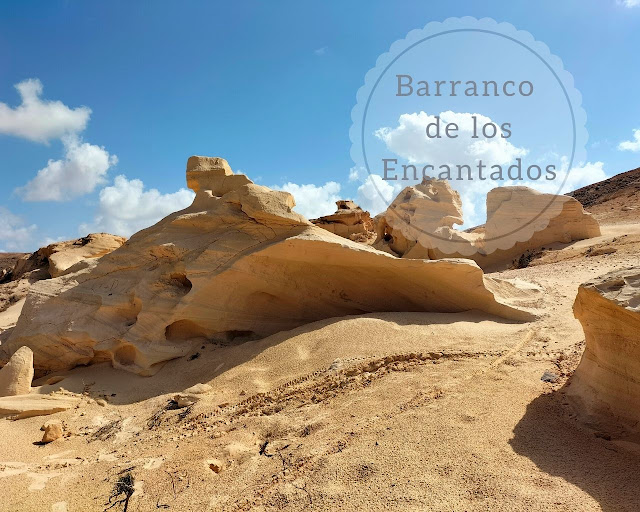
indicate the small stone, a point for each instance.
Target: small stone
{"x":215,"y":465}
{"x":101,"y":402}
{"x":549,"y":377}
{"x":52,"y":431}
{"x":184,"y":400}
{"x":336,"y":365}
{"x":600,"y":251}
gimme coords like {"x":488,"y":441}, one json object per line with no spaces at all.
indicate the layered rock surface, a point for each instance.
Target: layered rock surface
{"x":238,"y":263}
{"x":607,"y":380}
{"x":419,"y":224}
{"x":349,"y":221}
{"x":55,"y":259}
{"x":64,"y":255}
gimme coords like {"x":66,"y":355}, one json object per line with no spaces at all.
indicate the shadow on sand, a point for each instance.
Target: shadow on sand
{"x":551,"y":436}
{"x":213,"y":360}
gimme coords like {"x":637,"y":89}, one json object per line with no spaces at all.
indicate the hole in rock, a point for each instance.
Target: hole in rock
{"x":123,"y":313}
{"x":100,"y":356}
{"x":125,"y":355}
{"x":180,"y":280}
{"x":388,"y":237}
{"x":184,"y":330}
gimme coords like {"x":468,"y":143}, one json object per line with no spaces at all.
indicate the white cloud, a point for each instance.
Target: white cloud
{"x":631,"y":145}
{"x":629,"y":3}
{"x":40,"y":120}
{"x":125,"y":207}
{"x":15,"y":234}
{"x":355,"y":173}
{"x":581,"y":175}
{"x":375,"y":194}
{"x":321,"y":51}
{"x":84,"y":167}
{"x":313,"y":201}
{"x":409,"y":140}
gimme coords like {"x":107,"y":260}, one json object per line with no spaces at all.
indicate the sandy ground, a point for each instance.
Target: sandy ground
{"x":380,"y":412}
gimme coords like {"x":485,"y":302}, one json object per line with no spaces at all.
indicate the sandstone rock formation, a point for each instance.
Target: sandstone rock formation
{"x":50,"y":261}
{"x":56,"y":258}
{"x":606,"y":380}
{"x":419,"y":224}
{"x":17,"y":374}
{"x":238,"y":263}
{"x":64,"y":255}
{"x":28,"y":406}
{"x":350,"y":221}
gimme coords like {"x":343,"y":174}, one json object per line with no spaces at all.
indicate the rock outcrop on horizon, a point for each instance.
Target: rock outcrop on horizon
{"x":17,"y":374}
{"x":238,"y":263}
{"x":606,"y":380}
{"x":56,"y":258}
{"x":419,"y":223}
{"x":63,"y":255}
{"x":349,"y":221}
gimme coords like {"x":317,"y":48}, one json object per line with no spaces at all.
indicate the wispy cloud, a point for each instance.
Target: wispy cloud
{"x":321,"y":51}
{"x":15,"y":233}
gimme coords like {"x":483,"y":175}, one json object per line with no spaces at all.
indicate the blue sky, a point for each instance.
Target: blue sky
{"x":267,"y":85}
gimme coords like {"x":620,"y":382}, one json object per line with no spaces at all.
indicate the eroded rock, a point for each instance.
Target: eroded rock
{"x":55,"y":259}
{"x":64,"y":255}
{"x":52,"y":430}
{"x":27,"y":406}
{"x":349,"y":221}
{"x":17,"y":374}
{"x":237,"y":264}
{"x":606,"y":380}
{"x":420,"y":224}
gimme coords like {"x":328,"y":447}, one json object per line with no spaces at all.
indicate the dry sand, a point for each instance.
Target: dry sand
{"x":402,"y":411}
